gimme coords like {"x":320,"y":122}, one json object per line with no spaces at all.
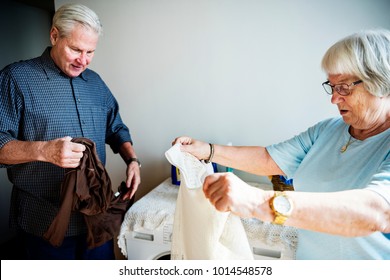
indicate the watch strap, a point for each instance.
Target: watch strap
{"x":279,"y":219}
{"x":130,"y":160}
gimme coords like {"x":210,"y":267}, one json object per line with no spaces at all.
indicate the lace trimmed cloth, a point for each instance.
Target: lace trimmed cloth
{"x":157,"y":208}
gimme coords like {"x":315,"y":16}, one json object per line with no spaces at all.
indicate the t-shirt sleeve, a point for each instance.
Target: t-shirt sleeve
{"x":289,"y":154}
{"x":380,"y":182}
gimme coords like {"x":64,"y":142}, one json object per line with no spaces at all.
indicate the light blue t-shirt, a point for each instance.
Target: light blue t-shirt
{"x":315,"y":162}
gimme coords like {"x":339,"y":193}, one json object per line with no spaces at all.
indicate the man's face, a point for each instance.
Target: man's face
{"x":74,"y":53}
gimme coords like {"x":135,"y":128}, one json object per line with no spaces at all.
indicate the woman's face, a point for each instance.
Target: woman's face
{"x":360,"y":109}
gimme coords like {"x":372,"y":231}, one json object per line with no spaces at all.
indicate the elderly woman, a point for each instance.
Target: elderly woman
{"x":340,"y":166}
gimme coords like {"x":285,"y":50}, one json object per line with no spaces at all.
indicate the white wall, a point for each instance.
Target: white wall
{"x":240,"y":71}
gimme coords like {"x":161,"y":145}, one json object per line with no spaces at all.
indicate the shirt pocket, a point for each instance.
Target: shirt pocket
{"x":95,"y":122}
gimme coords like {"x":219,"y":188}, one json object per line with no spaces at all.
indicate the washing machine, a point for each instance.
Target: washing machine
{"x":149,"y":244}
{"x":146,"y":232}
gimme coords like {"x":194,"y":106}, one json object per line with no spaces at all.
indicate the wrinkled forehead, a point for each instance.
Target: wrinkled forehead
{"x":341,"y":78}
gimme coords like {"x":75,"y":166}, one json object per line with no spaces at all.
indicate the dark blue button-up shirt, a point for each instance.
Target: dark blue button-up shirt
{"x":40,"y":103}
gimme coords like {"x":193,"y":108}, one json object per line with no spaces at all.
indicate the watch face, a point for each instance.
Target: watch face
{"x":282,"y":205}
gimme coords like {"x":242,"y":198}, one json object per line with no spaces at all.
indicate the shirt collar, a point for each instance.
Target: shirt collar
{"x":51,"y":69}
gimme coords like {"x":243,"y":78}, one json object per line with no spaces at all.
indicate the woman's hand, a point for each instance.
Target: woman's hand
{"x":199,"y":149}
{"x":227,"y":192}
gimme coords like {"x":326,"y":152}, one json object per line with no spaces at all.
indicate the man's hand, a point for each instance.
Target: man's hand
{"x":63,"y":152}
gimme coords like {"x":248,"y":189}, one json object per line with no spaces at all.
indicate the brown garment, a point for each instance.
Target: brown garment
{"x":87,"y":189}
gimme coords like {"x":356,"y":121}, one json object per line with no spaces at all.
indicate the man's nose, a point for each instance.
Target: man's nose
{"x":83,"y":58}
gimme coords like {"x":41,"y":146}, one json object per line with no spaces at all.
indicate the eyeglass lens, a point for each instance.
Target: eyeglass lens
{"x":342,"y":89}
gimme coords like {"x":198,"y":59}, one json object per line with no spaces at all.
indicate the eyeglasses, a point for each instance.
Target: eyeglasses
{"x":342,"y":89}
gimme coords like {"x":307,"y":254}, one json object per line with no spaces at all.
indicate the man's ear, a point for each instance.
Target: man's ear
{"x":54,"y":35}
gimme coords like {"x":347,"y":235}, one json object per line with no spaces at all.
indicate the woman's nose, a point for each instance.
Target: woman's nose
{"x":336,"y":97}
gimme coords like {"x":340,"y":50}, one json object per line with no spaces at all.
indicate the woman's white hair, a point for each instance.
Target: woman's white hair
{"x":69,"y":15}
{"x":366,"y":55}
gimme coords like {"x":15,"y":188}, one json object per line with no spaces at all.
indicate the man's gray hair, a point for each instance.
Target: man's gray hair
{"x":69,"y":15}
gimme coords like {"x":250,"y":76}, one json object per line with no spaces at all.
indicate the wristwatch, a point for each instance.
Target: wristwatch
{"x":130,"y":160}
{"x":282,"y":207}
